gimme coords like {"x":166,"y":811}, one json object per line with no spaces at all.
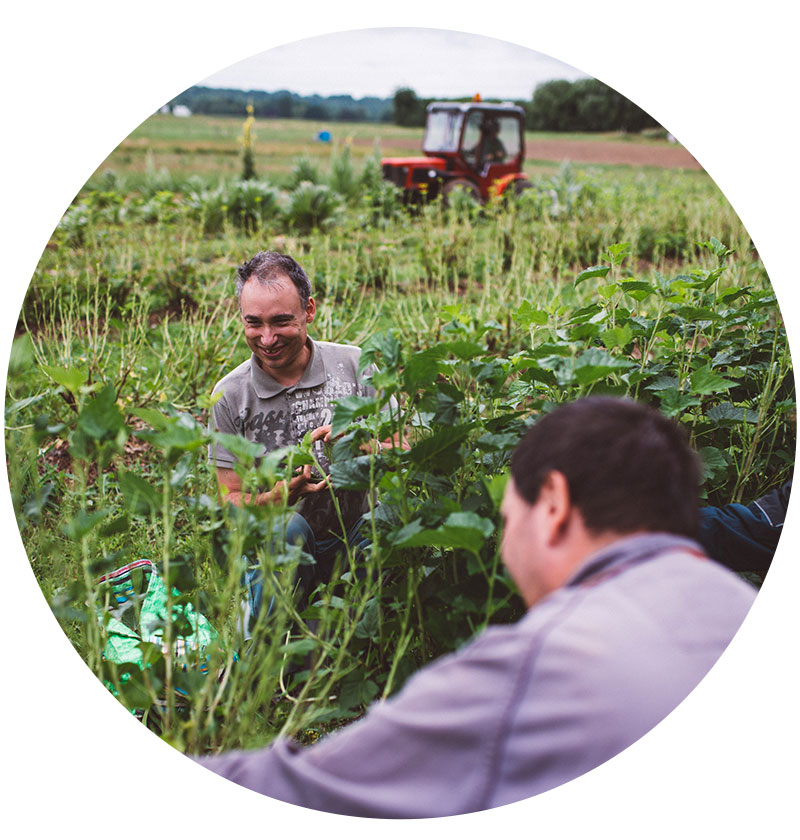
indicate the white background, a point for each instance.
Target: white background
{"x":77,"y":79}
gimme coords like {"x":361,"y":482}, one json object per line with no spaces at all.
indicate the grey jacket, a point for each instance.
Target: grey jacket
{"x":526,"y":707}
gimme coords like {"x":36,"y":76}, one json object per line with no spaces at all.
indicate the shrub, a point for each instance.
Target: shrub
{"x":312,"y":206}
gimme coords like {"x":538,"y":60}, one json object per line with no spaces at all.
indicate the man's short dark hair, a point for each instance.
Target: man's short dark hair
{"x":627,"y":466}
{"x":270,"y":267}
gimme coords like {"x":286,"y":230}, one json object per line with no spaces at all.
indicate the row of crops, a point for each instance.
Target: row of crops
{"x":479,"y":318}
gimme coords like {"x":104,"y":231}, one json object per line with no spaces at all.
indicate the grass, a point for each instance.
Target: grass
{"x":210,"y":146}
{"x":474,"y":316}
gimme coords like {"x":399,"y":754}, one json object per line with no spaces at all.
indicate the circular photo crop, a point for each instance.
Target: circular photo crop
{"x":400,"y":438}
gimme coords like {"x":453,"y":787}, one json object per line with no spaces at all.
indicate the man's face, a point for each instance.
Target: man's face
{"x":523,"y":546}
{"x":275,"y":326}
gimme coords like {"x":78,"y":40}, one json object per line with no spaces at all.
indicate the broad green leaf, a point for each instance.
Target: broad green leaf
{"x":727,"y":414}
{"x":705,"y":381}
{"x":464,"y":350}
{"x":82,"y":523}
{"x":140,"y":497}
{"x":637,"y":289}
{"x":617,"y":336}
{"x":596,"y":364}
{"x":21,"y":358}
{"x":350,"y":408}
{"x":527,"y":315}
{"x":245,"y":451}
{"x":714,"y":461}
{"x":101,"y":418}
{"x":674,"y":404}
{"x":441,"y":448}
{"x":70,"y":378}
{"x":422,"y":368}
{"x":591,"y":272}
{"x":460,"y":530}
{"x":354,"y":473}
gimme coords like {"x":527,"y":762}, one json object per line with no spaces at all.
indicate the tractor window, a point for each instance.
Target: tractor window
{"x":441,"y":131}
{"x":509,"y":136}
{"x":490,"y":138}
{"x":472,"y":137}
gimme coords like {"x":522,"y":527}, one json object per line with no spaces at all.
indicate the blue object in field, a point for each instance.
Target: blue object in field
{"x":324,"y":137}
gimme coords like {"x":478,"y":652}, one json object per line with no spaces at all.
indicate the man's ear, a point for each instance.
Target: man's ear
{"x":554,"y":494}
{"x":311,"y":310}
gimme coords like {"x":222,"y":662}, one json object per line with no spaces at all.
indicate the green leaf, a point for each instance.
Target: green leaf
{"x":440,"y":450}
{"x":140,"y":497}
{"x":527,"y":315}
{"x":460,"y":530}
{"x":349,"y":409}
{"x":596,"y":364}
{"x":70,"y":378}
{"x":354,"y":473}
{"x":591,"y":272}
{"x":464,"y":350}
{"x":714,"y":461}
{"x":637,"y":289}
{"x":82,"y":523}
{"x":245,"y":451}
{"x":706,"y":381}
{"x":617,"y":337}
{"x":21,"y":358}
{"x":674,"y":404}
{"x":101,"y":418}
{"x":422,"y":368}
{"x":356,"y":691}
{"x":727,"y":414}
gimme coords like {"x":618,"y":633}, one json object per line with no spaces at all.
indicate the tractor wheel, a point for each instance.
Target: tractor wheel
{"x":460,"y":184}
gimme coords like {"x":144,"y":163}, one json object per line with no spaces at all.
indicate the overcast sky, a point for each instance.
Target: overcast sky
{"x":375,"y":62}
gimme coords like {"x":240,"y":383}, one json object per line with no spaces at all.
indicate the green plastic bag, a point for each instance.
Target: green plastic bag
{"x":136,"y":611}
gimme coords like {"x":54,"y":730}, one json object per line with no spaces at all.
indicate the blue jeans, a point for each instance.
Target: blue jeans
{"x":315,"y":567}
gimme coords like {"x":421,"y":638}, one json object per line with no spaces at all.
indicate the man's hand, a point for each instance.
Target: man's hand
{"x":283,"y":492}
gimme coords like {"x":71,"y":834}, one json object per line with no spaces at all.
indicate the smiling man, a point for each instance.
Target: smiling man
{"x":286,"y":389}
{"x":625,"y":616}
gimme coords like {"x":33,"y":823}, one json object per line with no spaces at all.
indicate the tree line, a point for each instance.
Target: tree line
{"x":558,"y":105}
{"x":283,"y":104}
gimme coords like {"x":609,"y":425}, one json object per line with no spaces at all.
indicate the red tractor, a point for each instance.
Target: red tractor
{"x":475,"y":146}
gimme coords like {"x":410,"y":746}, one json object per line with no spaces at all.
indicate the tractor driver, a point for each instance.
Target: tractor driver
{"x":489,"y":148}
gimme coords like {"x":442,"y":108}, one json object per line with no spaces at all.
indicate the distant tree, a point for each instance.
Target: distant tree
{"x":407,"y":108}
{"x":584,"y":105}
{"x":553,"y":107}
{"x":317,"y":111}
{"x":352,"y":114}
{"x":284,"y":104}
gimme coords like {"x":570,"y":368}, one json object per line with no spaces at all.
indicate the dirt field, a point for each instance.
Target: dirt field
{"x":632,"y":153}
{"x":588,"y":151}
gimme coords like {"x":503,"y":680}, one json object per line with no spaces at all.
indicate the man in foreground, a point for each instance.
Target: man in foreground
{"x":625,"y":616}
{"x":286,"y":389}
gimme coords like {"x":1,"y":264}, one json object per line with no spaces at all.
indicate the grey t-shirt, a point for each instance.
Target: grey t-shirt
{"x":256,"y":406}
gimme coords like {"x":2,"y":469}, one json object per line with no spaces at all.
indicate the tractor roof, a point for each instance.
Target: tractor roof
{"x":473,"y":105}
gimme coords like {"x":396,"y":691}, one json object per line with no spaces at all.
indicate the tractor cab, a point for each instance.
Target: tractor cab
{"x":475,"y":146}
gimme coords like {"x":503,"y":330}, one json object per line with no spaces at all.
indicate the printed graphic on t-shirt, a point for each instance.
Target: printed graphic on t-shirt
{"x":306,"y":409}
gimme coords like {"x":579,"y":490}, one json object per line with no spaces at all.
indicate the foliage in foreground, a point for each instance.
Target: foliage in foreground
{"x":103,"y":470}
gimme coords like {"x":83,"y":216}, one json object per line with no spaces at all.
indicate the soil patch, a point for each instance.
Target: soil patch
{"x":663,"y":155}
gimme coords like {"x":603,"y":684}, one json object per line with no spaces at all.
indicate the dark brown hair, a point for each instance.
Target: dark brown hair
{"x":270,"y":267}
{"x":627,"y":466}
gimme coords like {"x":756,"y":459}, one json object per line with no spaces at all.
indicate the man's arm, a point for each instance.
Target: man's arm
{"x":230,"y":484}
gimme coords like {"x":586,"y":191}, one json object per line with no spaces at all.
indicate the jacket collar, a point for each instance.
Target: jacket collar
{"x":630,"y":551}
{"x":266,"y":387}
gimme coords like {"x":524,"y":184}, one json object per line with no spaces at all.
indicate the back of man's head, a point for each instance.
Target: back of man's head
{"x":627,"y":466}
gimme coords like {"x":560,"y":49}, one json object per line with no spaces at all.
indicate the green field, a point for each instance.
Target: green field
{"x":600,"y":279}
